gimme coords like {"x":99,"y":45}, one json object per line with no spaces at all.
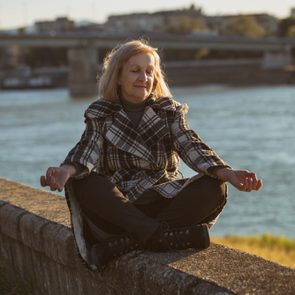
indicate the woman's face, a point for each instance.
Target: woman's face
{"x":137,"y":77}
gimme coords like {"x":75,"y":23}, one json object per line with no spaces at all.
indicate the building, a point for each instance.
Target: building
{"x":59,"y":25}
{"x":161,"y":21}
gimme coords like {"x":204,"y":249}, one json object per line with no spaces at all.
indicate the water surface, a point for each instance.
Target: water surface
{"x":251,"y":128}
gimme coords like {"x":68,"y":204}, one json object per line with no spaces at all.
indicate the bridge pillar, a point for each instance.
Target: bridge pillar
{"x":277,"y":59}
{"x":83,"y":65}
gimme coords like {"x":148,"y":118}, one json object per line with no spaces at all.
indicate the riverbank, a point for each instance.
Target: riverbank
{"x":274,"y":248}
{"x":235,"y":72}
{"x":240,"y":72}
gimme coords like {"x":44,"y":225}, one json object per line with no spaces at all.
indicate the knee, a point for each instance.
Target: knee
{"x":221,"y":190}
{"x":217,"y":191}
{"x":89,"y":186}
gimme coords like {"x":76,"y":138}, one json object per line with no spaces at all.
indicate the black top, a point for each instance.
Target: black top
{"x":133,"y":110}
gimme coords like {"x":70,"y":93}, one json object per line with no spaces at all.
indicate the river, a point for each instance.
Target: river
{"x":250,"y":127}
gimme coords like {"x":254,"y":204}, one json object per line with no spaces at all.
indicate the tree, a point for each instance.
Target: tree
{"x":284,"y":26}
{"x":243,"y":25}
{"x":291,"y":31}
{"x":186,"y":24}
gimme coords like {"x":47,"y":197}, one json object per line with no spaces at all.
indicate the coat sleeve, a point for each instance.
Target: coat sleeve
{"x":192,"y":150}
{"x":86,"y":153}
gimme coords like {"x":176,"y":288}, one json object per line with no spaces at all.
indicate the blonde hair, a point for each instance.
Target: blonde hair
{"x":114,"y":61}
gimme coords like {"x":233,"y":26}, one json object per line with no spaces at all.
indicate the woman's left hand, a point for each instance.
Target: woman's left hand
{"x":243,"y":180}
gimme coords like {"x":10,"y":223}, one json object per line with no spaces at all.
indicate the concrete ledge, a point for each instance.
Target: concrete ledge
{"x":36,"y":242}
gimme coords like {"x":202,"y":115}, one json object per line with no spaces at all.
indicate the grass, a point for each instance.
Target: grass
{"x":276,"y":249}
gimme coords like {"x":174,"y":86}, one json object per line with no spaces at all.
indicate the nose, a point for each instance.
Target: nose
{"x":142,"y":76}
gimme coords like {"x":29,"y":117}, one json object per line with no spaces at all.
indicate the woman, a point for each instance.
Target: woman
{"x":122,"y":179}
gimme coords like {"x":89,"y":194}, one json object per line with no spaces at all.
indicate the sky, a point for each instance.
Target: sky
{"x":17,"y":13}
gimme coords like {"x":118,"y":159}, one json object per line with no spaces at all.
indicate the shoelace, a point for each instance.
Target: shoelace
{"x":177,"y":238}
{"x":121,"y":246}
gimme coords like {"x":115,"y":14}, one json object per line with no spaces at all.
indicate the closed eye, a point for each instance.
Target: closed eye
{"x":150,"y":72}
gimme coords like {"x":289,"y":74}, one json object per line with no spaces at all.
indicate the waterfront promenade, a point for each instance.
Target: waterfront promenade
{"x":37,"y":244}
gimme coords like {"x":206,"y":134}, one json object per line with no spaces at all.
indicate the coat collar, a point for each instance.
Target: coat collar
{"x":121,"y":132}
{"x":102,"y":108}
{"x":137,"y":141}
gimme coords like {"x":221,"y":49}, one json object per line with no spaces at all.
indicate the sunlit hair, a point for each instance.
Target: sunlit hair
{"x":112,"y":65}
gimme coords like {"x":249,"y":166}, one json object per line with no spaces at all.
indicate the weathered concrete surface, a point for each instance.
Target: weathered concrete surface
{"x":37,"y":244}
{"x":39,"y":202}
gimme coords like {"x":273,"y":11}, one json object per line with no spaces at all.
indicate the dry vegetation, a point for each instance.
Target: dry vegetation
{"x":276,"y":249}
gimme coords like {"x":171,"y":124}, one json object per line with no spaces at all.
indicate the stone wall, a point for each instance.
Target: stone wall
{"x":37,"y":245}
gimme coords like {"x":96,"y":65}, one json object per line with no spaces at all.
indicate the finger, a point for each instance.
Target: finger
{"x":60,"y":187}
{"x":49,"y":172}
{"x":49,"y":176}
{"x":253,"y":176}
{"x":53,"y":187}
{"x":52,"y":176}
{"x":43,"y":181}
{"x":246,"y":184}
{"x":256,"y":183}
{"x":259,"y":184}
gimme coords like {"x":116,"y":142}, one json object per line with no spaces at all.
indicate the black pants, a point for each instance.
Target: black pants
{"x":106,"y":207}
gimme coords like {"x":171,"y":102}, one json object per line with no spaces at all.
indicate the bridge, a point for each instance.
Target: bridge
{"x":83,"y":49}
{"x":167,"y":41}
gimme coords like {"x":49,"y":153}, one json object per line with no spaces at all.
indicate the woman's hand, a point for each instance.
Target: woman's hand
{"x":243,"y":180}
{"x":56,"y":177}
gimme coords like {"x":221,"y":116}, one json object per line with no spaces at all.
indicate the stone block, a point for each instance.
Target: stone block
{"x":30,"y":226}
{"x":9,"y":220}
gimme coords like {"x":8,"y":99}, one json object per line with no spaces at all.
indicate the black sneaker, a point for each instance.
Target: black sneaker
{"x":105,"y":251}
{"x":194,"y":236}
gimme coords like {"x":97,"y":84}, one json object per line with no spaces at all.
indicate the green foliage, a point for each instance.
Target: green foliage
{"x":274,"y":248}
{"x":285,"y":26}
{"x":186,"y":24}
{"x":269,"y":240}
{"x":266,"y":240}
{"x":243,"y":25}
{"x":291,"y":31}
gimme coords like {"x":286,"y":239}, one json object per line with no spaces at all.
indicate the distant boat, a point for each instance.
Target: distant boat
{"x":37,"y":82}
{"x":24,"y":77}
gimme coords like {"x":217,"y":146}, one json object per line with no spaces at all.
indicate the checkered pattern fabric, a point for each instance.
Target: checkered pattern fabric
{"x":136,"y":158}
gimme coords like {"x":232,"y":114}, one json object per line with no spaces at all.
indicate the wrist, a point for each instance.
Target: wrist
{"x":69,"y":169}
{"x":222,"y":173}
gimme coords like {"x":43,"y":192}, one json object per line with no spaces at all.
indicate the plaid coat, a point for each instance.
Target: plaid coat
{"x":136,"y":158}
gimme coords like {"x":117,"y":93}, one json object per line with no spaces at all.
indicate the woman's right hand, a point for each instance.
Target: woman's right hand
{"x":56,"y":177}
